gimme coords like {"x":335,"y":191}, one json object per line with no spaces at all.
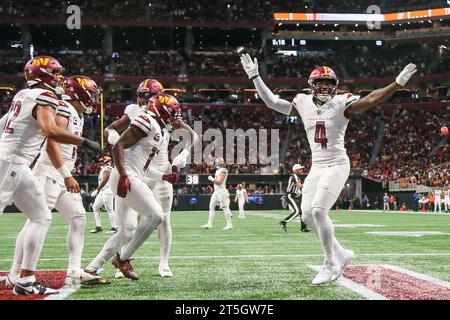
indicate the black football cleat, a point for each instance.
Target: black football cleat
{"x":283,"y":225}
{"x":97,"y":230}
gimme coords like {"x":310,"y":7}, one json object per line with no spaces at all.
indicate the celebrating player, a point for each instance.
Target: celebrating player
{"x":29,"y":121}
{"x":220,"y":196}
{"x":241,"y":198}
{"x":325,"y":115}
{"x":104,"y":197}
{"x":62,"y":191}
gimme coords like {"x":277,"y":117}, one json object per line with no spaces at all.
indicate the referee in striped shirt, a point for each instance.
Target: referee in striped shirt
{"x":293,"y":195}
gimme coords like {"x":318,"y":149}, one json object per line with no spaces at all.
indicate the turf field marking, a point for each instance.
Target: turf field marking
{"x":397,"y":283}
{"x":64,"y":292}
{"x":408,"y":233}
{"x":269,"y":256}
{"x":355,"y":287}
{"x":418,"y":275}
{"x":361,"y":225}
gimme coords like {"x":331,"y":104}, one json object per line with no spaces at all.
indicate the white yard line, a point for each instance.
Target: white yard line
{"x":63,"y":293}
{"x":357,"y":288}
{"x":269,"y":256}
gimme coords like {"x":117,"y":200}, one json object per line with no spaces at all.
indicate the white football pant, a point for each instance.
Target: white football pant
{"x":321,"y":189}
{"x":241,"y":204}
{"x":223,"y":200}
{"x":107,"y":200}
{"x":19,"y":185}
{"x":438,"y":205}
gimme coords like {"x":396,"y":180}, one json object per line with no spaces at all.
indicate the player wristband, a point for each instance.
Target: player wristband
{"x":64,"y":172}
{"x":254,"y":77}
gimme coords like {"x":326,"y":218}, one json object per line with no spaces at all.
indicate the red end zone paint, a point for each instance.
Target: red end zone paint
{"x":396,"y":285}
{"x":50,"y":278}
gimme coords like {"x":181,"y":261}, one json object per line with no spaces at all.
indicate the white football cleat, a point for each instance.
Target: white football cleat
{"x":206,"y":226}
{"x":29,"y":288}
{"x":77,"y":277}
{"x":326,"y":274}
{"x":228,"y":227}
{"x":119,"y":275}
{"x":343,"y":260}
{"x":165,"y":272}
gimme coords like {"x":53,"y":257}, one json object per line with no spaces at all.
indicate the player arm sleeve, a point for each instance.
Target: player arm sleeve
{"x":273,"y":102}
{"x":143,"y":123}
{"x":48,"y":99}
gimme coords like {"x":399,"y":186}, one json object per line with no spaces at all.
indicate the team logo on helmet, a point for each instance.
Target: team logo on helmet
{"x":84,"y":90}
{"x":44,"y":70}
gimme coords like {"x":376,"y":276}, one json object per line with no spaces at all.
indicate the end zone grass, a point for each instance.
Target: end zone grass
{"x":256,"y":260}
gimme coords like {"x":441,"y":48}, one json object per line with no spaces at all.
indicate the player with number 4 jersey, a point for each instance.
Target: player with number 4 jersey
{"x":325,"y":115}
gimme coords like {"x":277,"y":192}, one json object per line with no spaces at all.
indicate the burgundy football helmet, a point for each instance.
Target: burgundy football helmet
{"x":147,"y":89}
{"x":43,"y":69}
{"x":84,"y":90}
{"x":165,"y":108}
{"x":327,"y":93}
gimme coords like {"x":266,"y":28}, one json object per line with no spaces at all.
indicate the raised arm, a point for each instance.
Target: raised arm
{"x":380,"y":95}
{"x":273,"y":102}
{"x":181,"y":159}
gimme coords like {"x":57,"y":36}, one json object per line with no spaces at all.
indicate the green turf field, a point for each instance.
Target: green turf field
{"x":256,"y":260}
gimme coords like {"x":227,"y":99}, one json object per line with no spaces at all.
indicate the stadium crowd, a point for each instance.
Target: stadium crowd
{"x":204,"y":10}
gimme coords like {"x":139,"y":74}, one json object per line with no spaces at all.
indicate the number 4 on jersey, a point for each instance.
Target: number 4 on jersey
{"x":321,"y":134}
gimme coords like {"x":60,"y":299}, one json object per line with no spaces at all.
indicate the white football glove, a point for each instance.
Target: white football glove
{"x":211,"y":178}
{"x":406,"y":73}
{"x":250,"y":67}
{"x":113,"y":136}
{"x":181,"y":159}
{"x":94,"y":193}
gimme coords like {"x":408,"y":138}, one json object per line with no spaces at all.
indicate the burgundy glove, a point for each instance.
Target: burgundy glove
{"x":123,"y":186}
{"x":171,"y":177}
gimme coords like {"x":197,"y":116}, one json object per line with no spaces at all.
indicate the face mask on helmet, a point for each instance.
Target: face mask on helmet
{"x":324,"y":89}
{"x":85,"y":91}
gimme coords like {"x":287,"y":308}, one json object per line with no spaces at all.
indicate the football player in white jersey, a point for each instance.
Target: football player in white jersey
{"x":30,"y":120}
{"x":437,"y":200}
{"x":220,"y":195}
{"x":162,"y":190}
{"x":104,"y":197}
{"x":81,"y":95}
{"x":133,"y":154}
{"x":325,"y":115}
{"x":447,"y":199}
{"x":241,"y":198}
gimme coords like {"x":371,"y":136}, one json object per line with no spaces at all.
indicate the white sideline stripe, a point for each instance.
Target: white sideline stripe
{"x":355,"y":287}
{"x":435,"y":254}
{"x":63,"y":293}
{"x":418,"y":275}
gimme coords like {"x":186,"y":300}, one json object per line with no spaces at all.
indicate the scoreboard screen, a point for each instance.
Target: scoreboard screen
{"x":192,"y":179}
